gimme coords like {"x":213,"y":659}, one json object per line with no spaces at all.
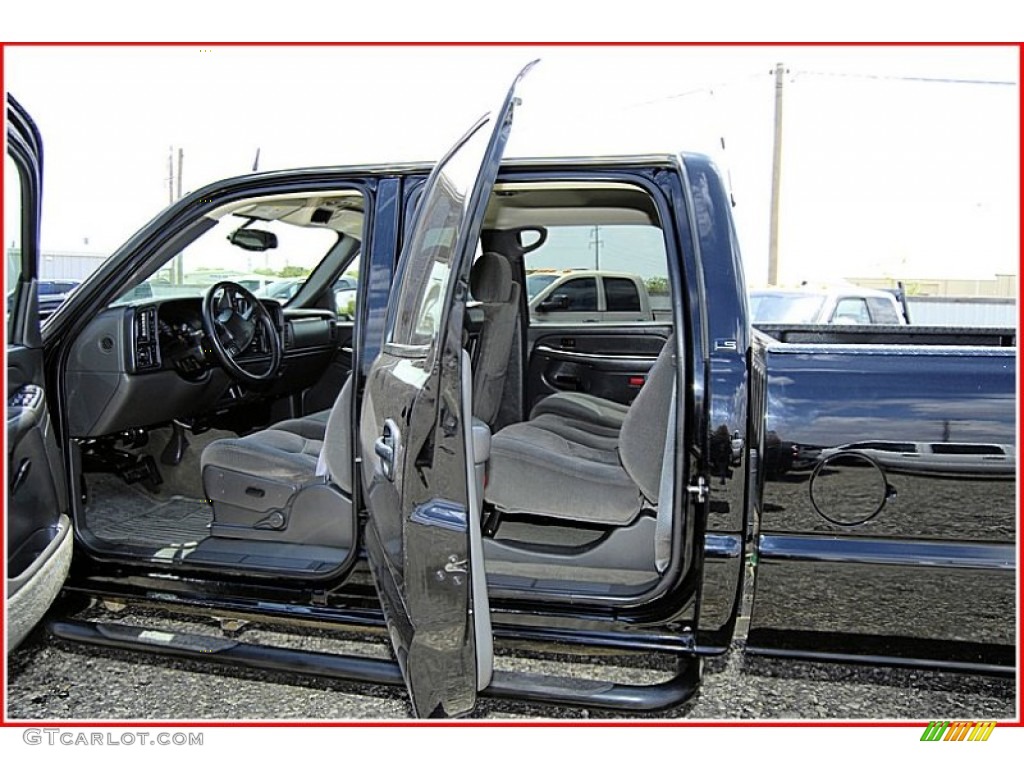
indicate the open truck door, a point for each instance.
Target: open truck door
{"x":39,"y":537}
{"x":423,"y":536}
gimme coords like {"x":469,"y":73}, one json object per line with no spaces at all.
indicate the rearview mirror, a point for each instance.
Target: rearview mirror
{"x":253,"y":239}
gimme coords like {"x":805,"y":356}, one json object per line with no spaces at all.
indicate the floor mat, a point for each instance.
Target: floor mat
{"x":120,"y":513}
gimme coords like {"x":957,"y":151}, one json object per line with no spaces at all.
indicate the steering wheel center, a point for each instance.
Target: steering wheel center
{"x":232,"y":318}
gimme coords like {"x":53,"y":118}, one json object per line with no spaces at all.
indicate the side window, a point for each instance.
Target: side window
{"x":851,"y":311}
{"x":421,"y":298}
{"x":418,"y":310}
{"x":580,"y":294}
{"x":12,"y":229}
{"x":883,"y":311}
{"x":621,"y":295}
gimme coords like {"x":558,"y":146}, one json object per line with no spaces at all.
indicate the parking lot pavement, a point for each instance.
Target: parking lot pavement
{"x":53,"y":680}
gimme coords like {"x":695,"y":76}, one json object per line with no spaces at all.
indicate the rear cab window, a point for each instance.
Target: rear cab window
{"x":852,"y":310}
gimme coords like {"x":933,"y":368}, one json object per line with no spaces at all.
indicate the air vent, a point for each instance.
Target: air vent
{"x":289,"y":336}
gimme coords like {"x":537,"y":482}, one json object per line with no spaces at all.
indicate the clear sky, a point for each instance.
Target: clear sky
{"x":889,"y":167}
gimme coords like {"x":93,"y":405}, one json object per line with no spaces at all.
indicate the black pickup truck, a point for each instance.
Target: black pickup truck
{"x":441,"y":469}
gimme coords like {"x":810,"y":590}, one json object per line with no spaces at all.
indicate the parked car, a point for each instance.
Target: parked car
{"x":848,"y":305}
{"x":941,"y":458}
{"x":344,"y":290}
{"x":590,"y":486}
{"x":588,"y":296}
{"x":282,"y":290}
{"x":56,"y":287}
{"x":51,"y":294}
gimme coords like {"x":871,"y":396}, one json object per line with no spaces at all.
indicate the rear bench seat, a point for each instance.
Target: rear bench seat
{"x":565,"y":467}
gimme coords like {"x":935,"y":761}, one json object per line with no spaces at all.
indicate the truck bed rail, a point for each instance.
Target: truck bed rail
{"x":890,"y":334}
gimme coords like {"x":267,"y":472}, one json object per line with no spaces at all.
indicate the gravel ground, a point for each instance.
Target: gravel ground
{"x":53,"y":680}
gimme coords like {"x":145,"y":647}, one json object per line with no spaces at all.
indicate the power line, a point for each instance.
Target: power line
{"x":905,"y":78}
{"x":709,"y":88}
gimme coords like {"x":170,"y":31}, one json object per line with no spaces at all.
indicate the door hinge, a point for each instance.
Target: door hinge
{"x":700,"y":490}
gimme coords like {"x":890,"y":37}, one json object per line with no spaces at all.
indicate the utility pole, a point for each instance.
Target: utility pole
{"x":179,"y":266}
{"x":181,"y":159}
{"x":597,"y":242}
{"x":773,"y":237}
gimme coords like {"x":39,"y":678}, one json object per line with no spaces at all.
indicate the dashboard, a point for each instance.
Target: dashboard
{"x":170,"y":336}
{"x":145,"y":363}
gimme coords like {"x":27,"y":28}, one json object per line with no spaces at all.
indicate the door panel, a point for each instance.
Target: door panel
{"x":36,"y":500}
{"x":415,"y":438}
{"x":608,"y":361}
{"x":38,"y":528}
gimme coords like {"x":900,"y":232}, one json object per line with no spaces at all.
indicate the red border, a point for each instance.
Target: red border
{"x":4,"y":722}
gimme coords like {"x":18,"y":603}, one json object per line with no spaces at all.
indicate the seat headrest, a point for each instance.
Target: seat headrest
{"x":490,"y":281}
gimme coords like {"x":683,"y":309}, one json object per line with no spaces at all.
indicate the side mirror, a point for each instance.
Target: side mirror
{"x":554,"y":303}
{"x":253,"y":239}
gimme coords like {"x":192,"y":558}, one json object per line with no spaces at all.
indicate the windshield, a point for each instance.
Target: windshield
{"x":277,"y":272}
{"x":785,"y":307}
{"x":537,"y":283}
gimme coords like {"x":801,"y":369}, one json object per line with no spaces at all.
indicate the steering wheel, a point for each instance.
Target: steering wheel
{"x":231,"y":316}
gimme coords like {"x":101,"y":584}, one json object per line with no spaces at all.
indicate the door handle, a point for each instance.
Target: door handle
{"x":567,"y":380}
{"x":386,"y":448}
{"x":20,"y":475}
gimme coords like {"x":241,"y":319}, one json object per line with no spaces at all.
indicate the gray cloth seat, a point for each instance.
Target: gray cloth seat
{"x":279,"y":486}
{"x":312,"y":426}
{"x":565,"y":468}
{"x":599,"y":412}
{"x":284,"y":453}
{"x":491,"y":284}
{"x":272,"y":453}
{"x":583,"y":407}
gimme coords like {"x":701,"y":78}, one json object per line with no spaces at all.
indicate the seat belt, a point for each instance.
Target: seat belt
{"x":666,"y":496}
